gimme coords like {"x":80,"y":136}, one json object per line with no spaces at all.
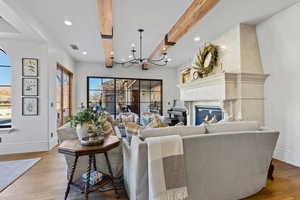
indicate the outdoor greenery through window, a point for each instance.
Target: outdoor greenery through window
{"x":5,"y":91}
{"x":117,"y":95}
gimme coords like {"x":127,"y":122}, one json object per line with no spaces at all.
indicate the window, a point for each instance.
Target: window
{"x":116,"y":95}
{"x":63,"y":95}
{"x":5,"y":91}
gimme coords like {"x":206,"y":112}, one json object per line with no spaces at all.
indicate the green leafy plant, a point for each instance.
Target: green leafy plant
{"x":82,"y":117}
{"x":90,"y":117}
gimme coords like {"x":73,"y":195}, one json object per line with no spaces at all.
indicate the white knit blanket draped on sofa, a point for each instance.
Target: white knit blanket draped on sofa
{"x":166,"y":169}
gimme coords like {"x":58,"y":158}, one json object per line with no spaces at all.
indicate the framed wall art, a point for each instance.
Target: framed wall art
{"x":30,"y":106}
{"x":30,"y":87}
{"x":30,"y":67}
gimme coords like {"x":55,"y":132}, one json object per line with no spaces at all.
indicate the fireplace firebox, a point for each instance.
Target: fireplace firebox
{"x":208,"y":113}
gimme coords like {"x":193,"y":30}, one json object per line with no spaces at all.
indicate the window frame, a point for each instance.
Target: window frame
{"x":7,"y":66}
{"x":116,"y":90}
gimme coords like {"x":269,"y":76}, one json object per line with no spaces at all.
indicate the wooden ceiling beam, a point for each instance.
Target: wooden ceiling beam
{"x":106,"y":29}
{"x":195,"y":12}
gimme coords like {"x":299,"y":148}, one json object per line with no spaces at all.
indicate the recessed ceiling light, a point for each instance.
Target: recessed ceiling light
{"x":68,"y":22}
{"x":169,"y":59}
{"x":84,"y":53}
{"x":197,"y":39}
{"x":223,"y":47}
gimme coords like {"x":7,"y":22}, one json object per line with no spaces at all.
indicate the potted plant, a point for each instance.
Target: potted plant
{"x":87,"y":121}
{"x":81,"y":120}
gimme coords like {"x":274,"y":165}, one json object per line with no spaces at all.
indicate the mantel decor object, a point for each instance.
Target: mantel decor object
{"x":186,"y":75}
{"x":205,"y":61}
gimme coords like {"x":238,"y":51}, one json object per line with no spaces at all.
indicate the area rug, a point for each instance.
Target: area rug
{"x":12,"y":170}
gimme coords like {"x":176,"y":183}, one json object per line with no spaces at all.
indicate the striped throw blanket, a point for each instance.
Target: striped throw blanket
{"x":166,"y":169}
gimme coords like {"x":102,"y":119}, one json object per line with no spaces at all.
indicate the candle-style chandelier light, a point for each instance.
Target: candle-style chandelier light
{"x":140,"y":60}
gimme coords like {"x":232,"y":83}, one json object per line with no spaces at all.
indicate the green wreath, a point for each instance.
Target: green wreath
{"x":201,"y":64}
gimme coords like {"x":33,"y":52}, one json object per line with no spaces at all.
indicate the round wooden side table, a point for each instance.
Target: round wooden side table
{"x":74,"y":148}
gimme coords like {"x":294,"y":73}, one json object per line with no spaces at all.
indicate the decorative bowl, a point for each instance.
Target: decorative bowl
{"x":92,"y":141}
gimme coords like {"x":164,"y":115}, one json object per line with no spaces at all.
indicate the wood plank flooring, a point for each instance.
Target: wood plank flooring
{"x":47,"y":181}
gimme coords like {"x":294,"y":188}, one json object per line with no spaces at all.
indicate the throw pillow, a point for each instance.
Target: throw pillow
{"x":132,"y":127}
{"x":156,"y":123}
{"x":108,"y":128}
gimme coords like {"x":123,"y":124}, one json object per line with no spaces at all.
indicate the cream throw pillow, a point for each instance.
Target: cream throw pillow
{"x":108,"y":128}
{"x":156,"y":123}
{"x":133,"y":127}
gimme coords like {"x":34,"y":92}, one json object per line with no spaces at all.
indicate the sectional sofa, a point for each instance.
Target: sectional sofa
{"x":224,"y":161}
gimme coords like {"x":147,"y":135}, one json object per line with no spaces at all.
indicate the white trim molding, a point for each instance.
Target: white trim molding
{"x":27,"y":147}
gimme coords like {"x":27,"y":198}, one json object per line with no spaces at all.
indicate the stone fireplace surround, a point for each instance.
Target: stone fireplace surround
{"x":236,"y":84}
{"x":240,"y":96}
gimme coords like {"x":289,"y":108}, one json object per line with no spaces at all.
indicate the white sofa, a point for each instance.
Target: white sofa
{"x":230,"y":162}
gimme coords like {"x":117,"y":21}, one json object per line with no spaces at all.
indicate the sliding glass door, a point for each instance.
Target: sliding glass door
{"x":116,"y":95}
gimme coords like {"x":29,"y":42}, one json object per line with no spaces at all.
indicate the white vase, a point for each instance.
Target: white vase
{"x":82,"y":130}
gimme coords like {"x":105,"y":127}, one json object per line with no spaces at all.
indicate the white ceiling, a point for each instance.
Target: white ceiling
{"x":155,"y":16}
{"x":223,"y":17}
{"x":6,"y":27}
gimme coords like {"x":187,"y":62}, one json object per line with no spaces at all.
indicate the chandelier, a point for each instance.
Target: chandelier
{"x":140,"y":60}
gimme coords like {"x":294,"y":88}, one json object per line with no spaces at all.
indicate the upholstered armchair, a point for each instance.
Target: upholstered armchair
{"x":115,"y":156}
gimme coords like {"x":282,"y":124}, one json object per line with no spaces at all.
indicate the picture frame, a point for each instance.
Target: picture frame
{"x":30,"y":67}
{"x":30,"y":106}
{"x":30,"y":87}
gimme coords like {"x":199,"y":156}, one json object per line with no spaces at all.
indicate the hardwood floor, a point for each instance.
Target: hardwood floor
{"x":47,"y":181}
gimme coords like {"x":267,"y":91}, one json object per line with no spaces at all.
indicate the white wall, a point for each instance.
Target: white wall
{"x":31,"y":132}
{"x":83,"y":70}
{"x":279,"y":45}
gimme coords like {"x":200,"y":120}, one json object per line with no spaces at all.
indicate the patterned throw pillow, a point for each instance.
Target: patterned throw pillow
{"x":128,"y":117}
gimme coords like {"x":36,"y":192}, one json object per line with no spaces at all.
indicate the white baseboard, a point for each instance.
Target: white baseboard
{"x":288,"y":156}
{"x":13,"y":148}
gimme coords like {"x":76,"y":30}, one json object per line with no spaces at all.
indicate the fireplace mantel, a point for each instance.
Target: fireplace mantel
{"x":231,"y":91}
{"x":221,"y":86}
{"x":212,"y":88}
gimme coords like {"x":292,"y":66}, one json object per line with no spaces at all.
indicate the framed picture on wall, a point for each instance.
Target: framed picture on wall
{"x":30,"y":106}
{"x":30,"y":67}
{"x":30,"y":87}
